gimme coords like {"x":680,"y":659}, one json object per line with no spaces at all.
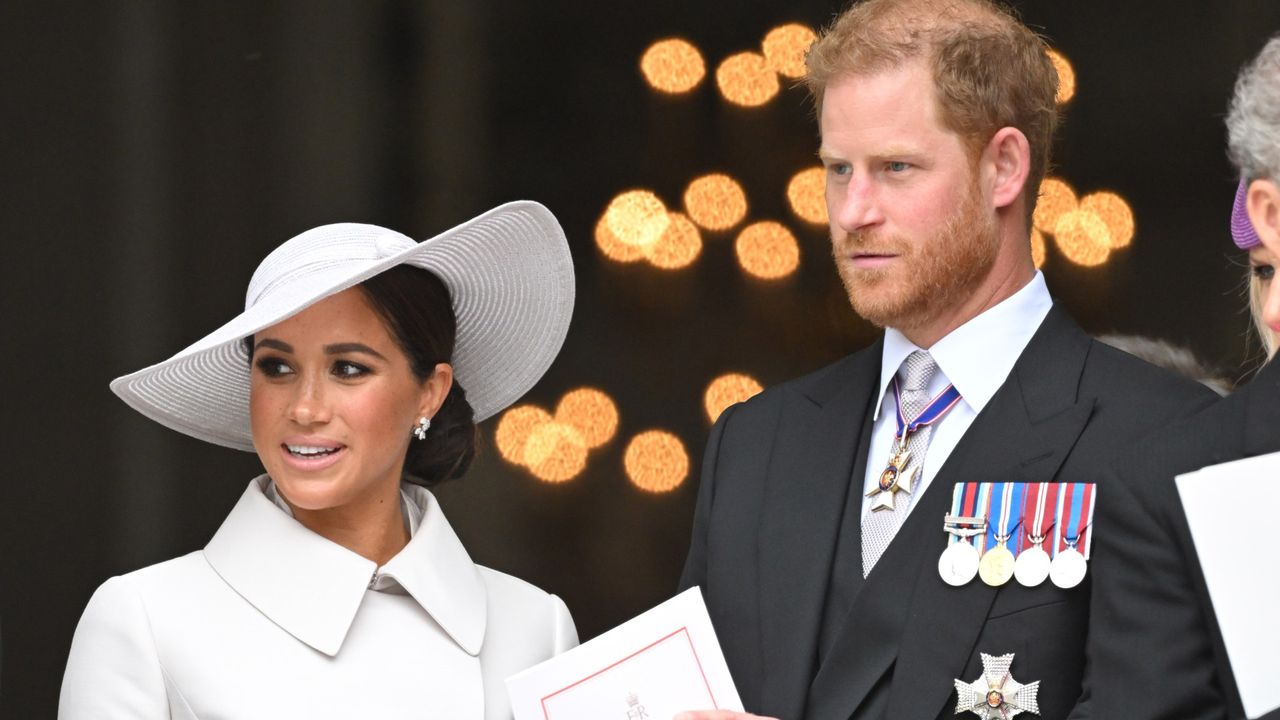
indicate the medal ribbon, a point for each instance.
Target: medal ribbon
{"x":1007,"y":497}
{"x":1074,"y":518}
{"x":964,"y":503}
{"x":933,"y":412}
{"x":1039,"y":497}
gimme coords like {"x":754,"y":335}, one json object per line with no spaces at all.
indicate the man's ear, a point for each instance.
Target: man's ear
{"x":1008,"y":163}
{"x":1263,"y":203}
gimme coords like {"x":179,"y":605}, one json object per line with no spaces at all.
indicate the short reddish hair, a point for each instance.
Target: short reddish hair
{"x":990,"y":71}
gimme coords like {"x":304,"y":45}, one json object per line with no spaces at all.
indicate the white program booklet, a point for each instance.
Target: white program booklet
{"x":1231,"y":509}
{"x":661,"y":662}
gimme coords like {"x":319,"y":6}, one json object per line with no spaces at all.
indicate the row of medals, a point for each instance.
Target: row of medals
{"x":961,"y":561}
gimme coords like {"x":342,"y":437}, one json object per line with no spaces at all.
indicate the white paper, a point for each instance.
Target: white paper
{"x":663,"y":661}
{"x":1231,"y":509}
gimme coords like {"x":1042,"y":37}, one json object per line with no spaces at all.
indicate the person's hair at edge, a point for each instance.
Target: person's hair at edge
{"x":417,"y":309}
{"x":990,"y":71}
{"x":1253,"y":141}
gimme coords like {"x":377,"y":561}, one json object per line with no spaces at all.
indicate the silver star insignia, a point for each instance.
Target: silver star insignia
{"x":996,"y":695}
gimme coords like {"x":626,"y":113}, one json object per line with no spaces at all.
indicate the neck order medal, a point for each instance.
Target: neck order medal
{"x":899,"y":475}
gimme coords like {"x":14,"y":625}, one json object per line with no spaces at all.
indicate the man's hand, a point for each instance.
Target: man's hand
{"x":720,"y":715}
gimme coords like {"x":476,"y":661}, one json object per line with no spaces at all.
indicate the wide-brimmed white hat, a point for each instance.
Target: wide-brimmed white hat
{"x":508,"y":271}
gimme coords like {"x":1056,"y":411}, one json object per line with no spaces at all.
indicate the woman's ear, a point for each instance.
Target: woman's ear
{"x":1263,"y":204}
{"x":435,"y":389}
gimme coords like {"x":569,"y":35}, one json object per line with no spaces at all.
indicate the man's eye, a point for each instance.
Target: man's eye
{"x":838,"y":169}
{"x":273,"y":367}
{"x":896,"y":166}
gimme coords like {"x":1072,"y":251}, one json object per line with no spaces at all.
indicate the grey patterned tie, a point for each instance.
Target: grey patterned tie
{"x":879,"y":526}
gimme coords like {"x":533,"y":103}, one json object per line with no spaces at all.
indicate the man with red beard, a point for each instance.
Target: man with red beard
{"x":826,"y":503}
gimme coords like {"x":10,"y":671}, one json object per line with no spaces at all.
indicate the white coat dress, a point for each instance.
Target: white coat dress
{"x":271,"y":620}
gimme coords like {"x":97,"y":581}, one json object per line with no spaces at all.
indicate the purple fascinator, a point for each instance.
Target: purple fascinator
{"x":1242,"y":231}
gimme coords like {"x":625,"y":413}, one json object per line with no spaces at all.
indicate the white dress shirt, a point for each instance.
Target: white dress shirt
{"x":271,"y":620}
{"x":976,"y":357}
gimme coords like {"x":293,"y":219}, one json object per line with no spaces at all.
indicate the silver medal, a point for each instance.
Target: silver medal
{"x":1068,"y":569}
{"x":958,"y":563}
{"x":1032,"y":566}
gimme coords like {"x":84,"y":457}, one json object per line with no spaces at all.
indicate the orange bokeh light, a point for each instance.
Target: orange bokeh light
{"x":746,"y":79}
{"x":1114,"y":212}
{"x":514,"y":429}
{"x":784,"y":49}
{"x":1056,"y":199}
{"x":656,"y":461}
{"x":636,"y":217}
{"x":555,"y":452}
{"x":592,"y":412}
{"x":678,"y":247}
{"x":1066,"y":77}
{"x":612,"y":247}
{"x":672,"y":66}
{"x":807,"y":195}
{"x":1038,"y":249}
{"x":1083,"y":238}
{"x":715,"y":201}
{"x":726,"y":390}
{"x":767,"y":250}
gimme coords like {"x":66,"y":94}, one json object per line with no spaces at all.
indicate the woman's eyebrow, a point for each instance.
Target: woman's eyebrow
{"x":273,"y":344}
{"x":350,"y":347}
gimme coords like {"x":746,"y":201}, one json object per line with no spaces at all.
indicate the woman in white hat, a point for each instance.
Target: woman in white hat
{"x":336,"y":588}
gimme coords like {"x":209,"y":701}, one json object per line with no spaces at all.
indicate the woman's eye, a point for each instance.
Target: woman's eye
{"x":1264,"y":272}
{"x":348,"y":369}
{"x":273,"y":367}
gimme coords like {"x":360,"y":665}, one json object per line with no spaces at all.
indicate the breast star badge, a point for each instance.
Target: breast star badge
{"x":996,"y":695}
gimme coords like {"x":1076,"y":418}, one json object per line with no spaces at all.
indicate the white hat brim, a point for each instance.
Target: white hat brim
{"x":509,"y":272}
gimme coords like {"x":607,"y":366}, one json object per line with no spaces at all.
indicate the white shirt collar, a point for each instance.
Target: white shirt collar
{"x":978,"y":356}
{"x":312,"y":587}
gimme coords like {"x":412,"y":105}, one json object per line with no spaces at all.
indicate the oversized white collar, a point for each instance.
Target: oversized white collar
{"x":312,"y":587}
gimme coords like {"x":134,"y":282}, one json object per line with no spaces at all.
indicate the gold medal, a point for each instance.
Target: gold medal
{"x":996,"y":567}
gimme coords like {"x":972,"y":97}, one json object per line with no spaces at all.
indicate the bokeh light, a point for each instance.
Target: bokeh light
{"x":1038,"y":249}
{"x":726,"y":390}
{"x":592,"y":412}
{"x":1083,"y":238}
{"x":807,"y":195}
{"x":715,"y":201}
{"x":672,"y":66}
{"x":637,"y":217}
{"x":656,"y":461}
{"x":767,"y":250}
{"x":1066,"y":77}
{"x":746,"y":79}
{"x":514,"y":429}
{"x":1056,"y":199}
{"x":678,"y":247}
{"x":784,"y":48}
{"x":1114,"y":212}
{"x":555,"y":452}
{"x":612,"y":247}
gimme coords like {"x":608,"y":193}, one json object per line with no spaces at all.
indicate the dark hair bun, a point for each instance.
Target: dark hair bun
{"x":450,"y":445}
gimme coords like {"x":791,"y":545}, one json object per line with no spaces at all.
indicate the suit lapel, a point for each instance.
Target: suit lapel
{"x":905,"y":613}
{"x":1262,"y":412}
{"x":807,"y":487}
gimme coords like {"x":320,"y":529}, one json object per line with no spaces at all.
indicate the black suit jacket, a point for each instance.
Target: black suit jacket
{"x":1156,"y":649}
{"x":774,"y":492}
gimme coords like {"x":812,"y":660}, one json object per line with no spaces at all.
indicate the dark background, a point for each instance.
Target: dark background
{"x":152,"y":153}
